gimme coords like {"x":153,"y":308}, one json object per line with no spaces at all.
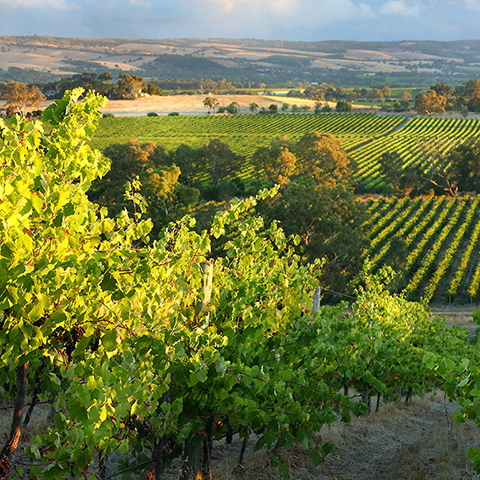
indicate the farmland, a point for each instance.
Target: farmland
{"x":364,"y":136}
{"x":441,"y":234}
{"x":154,"y":348}
{"x":441,"y":240}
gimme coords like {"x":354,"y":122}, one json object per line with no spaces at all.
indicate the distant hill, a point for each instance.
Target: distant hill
{"x":34,"y":58}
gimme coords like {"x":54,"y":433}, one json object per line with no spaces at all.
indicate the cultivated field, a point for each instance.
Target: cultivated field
{"x":442,"y":235}
{"x":364,"y":136}
{"x":442,"y":245}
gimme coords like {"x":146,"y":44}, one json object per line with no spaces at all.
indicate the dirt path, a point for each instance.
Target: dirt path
{"x":409,"y":442}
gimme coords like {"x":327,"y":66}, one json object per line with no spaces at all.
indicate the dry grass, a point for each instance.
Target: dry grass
{"x":410,"y":442}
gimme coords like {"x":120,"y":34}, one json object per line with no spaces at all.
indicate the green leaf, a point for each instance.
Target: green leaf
{"x":177,"y":406}
{"x":109,"y":283}
{"x":109,"y":340}
{"x":202,"y":375}
{"x":316,"y":457}
{"x":123,"y":447}
{"x":221,"y":367}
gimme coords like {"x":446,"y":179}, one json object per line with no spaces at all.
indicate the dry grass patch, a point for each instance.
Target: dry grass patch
{"x":412,"y":441}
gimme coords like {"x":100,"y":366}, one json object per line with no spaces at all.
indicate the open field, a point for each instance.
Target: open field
{"x":134,"y":56}
{"x":339,"y":62}
{"x":193,"y":104}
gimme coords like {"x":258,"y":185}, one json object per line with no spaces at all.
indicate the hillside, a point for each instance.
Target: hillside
{"x":342,"y":62}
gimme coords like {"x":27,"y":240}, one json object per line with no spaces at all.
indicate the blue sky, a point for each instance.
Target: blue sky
{"x":308,"y":20}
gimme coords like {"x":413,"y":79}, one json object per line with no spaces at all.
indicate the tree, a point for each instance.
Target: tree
{"x":344,"y":106}
{"x":128,"y":161}
{"x":386,"y":91}
{"x":232,"y":107}
{"x":277,"y":161}
{"x":153,"y":89}
{"x":129,"y":86}
{"x":403,"y":178}
{"x":328,"y":220}
{"x":429,"y":103}
{"x":321,"y":156}
{"x":375,"y":95}
{"x":315,"y":92}
{"x":447,"y":91}
{"x":158,"y":176}
{"x":253,"y":107}
{"x":405,"y":96}
{"x":220,"y":161}
{"x":471,"y":95}
{"x":355,"y":94}
{"x":21,"y":98}
{"x":189,"y":160}
{"x":443,"y":89}
{"x":435,"y":171}
{"x":211,"y":102}
{"x":273,"y":108}
{"x":464,"y":163}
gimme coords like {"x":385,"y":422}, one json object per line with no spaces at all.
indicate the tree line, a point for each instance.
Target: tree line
{"x":443,"y":97}
{"x":125,"y":86}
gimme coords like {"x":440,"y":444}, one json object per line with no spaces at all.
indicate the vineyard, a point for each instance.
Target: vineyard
{"x":148,"y":350}
{"x":364,"y":136}
{"x":441,"y":235}
{"x":441,"y":245}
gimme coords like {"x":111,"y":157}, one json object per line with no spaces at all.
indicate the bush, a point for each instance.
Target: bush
{"x":273,"y":108}
{"x":152,"y":114}
{"x":344,"y":106}
{"x":108,"y":115}
{"x":173,"y":114}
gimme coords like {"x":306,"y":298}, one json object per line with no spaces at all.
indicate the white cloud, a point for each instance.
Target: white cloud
{"x":399,"y":8}
{"x":140,"y":3}
{"x":472,"y":5}
{"x":299,"y":13}
{"x":56,"y":4}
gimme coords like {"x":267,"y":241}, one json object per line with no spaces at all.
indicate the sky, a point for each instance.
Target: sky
{"x":301,"y":20}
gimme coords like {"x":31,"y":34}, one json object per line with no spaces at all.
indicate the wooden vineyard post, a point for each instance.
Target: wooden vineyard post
{"x":206,"y":290}
{"x":316,"y":299}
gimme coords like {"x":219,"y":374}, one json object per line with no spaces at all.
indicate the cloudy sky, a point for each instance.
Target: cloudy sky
{"x":308,"y":20}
